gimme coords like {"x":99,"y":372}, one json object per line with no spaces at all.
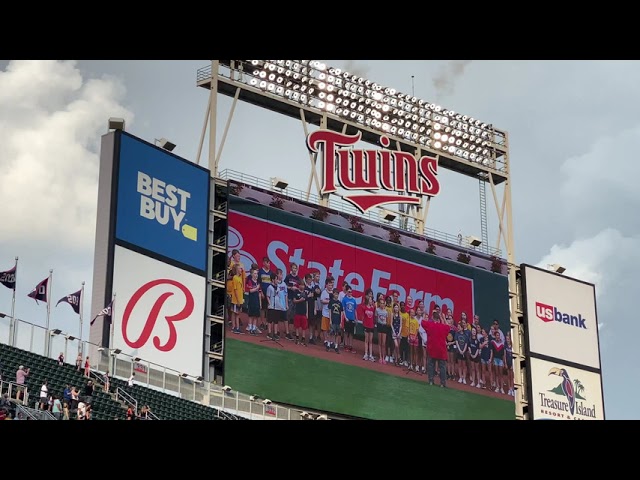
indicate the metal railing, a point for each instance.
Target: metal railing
{"x":11,"y":388}
{"x":34,"y":413}
{"x":345,"y":207}
{"x":127,"y":399}
{"x":31,"y":337}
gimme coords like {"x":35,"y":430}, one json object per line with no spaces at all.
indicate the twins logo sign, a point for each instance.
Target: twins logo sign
{"x":401,"y":177}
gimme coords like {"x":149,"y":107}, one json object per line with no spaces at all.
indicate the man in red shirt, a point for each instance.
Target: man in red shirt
{"x":437,"y":332}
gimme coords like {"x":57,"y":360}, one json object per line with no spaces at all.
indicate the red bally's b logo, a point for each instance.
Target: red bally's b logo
{"x":399,"y":175}
{"x":150,"y":323}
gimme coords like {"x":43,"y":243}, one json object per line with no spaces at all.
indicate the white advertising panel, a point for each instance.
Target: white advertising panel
{"x":158,"y":312}
{"x":560,"y":392}
{"x":561,"y":317}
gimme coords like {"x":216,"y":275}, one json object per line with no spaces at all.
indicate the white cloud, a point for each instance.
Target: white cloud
{"x":599,"y":259}
{"x":601,"y":185}
{"x":51,"y":120}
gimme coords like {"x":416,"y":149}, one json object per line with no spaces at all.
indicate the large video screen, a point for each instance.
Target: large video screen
{"x":328,"y":319}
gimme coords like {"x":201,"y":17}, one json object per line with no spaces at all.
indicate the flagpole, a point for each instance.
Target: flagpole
{"x":49,"y":288}
{"x":113,"y":358}
{"x":113,"y":302}
{"x":81,"y":344}
{"x":12,"y":326}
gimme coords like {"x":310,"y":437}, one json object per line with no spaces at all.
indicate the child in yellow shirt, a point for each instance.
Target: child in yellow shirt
{"x":237,"y":297}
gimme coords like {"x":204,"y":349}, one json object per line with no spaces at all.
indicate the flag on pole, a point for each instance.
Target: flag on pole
{"x":40,"y":292}
{"x":106,"y":312}
{"x":72,"y":299}
{"x":8,"y":278}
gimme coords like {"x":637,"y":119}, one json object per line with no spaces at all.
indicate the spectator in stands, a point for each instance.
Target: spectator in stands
{"x":88,"y":412}
{"x":87,"y":367}
{"x":3,"y":414}
{"x":66,"y":394}
{"x":88,"y":392}
{"x":79,"y":362}
{"x":130,"y":413}
{"x":61,"y":359}
{"x":44,"y":396}
{"x":6,"y":403}
{"x":75,"y":398}
{"x":65,"y":411}
{"x":106,"y":379}
{"x":21,"y":375}
{"x":144,"y":413}
{"x":56,"y":409}
{"x":81,"y":411}
{"x":131,"y":380}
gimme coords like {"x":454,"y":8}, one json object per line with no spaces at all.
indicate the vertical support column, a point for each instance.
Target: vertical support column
{"x":213,"y":109}
{"x":514,"y":304}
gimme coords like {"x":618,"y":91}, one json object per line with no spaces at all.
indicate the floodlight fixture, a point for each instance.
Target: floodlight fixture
{"x":388,"y":215}
{"x":137,"y":359}
{"x":266,"y":401}
{"x":115,"y":352}
{"x":362,"y":102}
{"x":70,"y":337}
{"x":116,"y":123}
{"x":322,"y":417}
{"x":57,"y":331}
{"x":184,"y":375}
{"x":200,"y":379}
{"x":557,"y":268}
{"x":474,"y":241}
{"x":165,"y":144}
{"x":279,"y":183}
{"x":253,"y":398}
{"x":3,"y":315}
{"x":226,"y":388}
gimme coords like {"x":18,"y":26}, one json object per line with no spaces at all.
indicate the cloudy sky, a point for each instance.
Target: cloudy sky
{"x":572,"y":131}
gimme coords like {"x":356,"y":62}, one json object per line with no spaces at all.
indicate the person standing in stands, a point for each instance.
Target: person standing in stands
{"x":21,"y":377}
{"x":106,"y":380}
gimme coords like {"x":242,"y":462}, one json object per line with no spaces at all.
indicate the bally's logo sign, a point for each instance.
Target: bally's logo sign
{"x":391,"y":171}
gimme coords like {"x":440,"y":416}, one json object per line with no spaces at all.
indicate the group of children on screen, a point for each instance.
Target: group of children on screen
{"x":290,"y":305}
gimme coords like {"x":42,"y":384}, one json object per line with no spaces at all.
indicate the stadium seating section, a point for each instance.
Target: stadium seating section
{"x":105,"y":406}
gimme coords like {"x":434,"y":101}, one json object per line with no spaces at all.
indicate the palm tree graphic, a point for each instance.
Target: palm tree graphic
{"x":579,"y":386}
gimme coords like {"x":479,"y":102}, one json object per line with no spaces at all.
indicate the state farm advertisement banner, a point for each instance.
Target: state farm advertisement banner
{"x":158,"y":312}
{"x":256,"y":238}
